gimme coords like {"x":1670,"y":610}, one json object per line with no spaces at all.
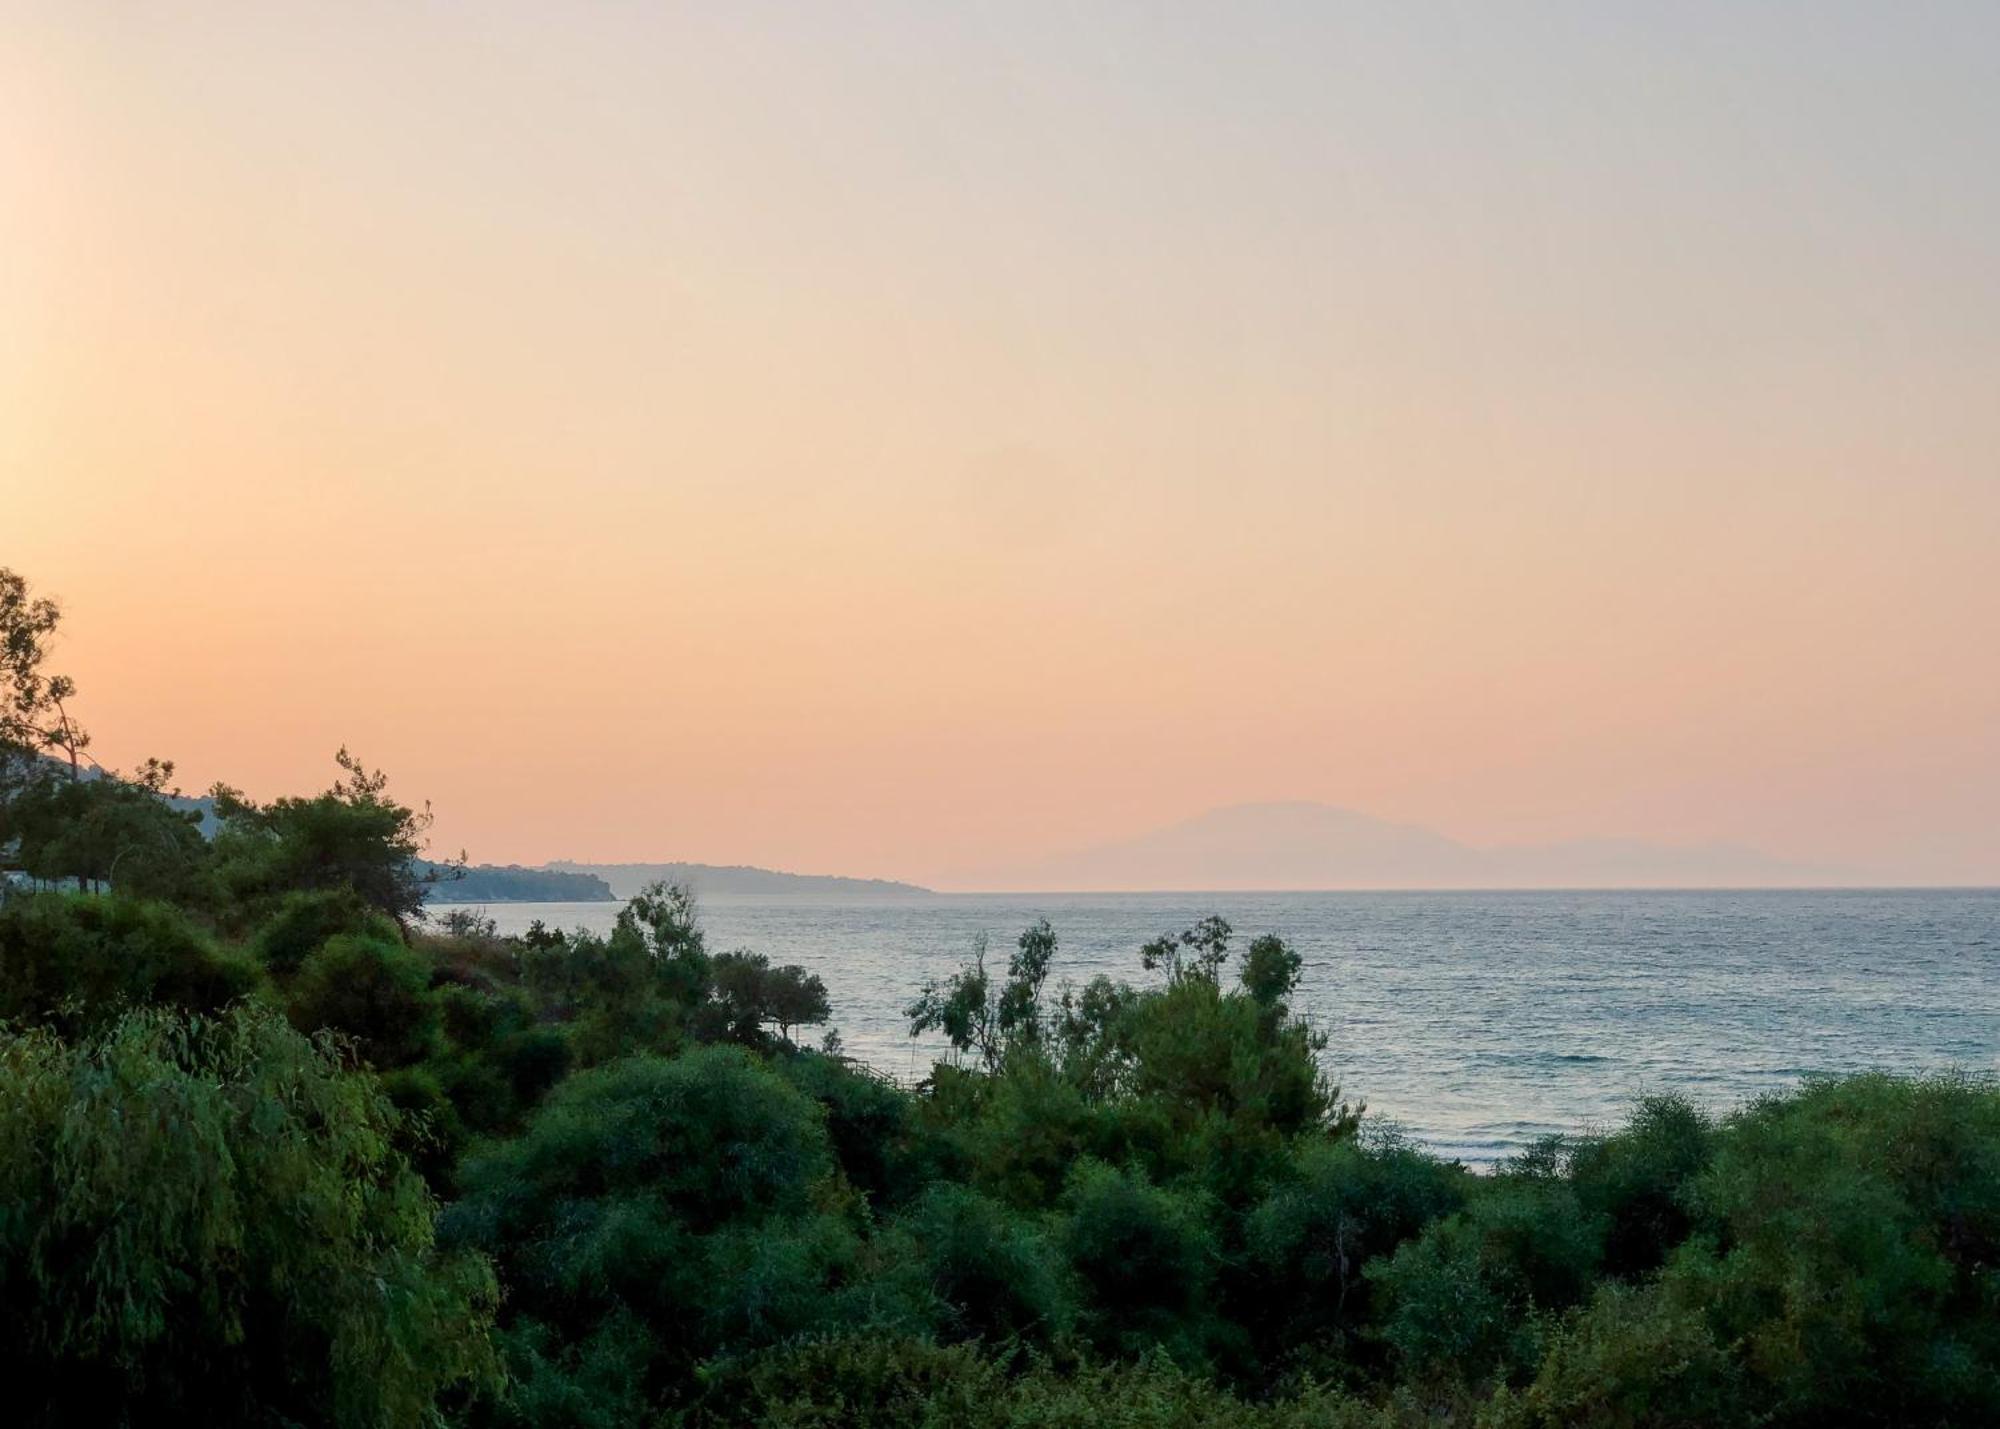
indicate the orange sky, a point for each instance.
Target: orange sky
{"x":904,"y":444}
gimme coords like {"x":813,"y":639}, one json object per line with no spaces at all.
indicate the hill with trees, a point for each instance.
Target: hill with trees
{"x":511,"y":883}
{"x":628,"y":878}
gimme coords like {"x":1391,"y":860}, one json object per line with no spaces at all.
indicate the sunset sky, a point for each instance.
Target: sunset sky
{"x":901,"y":440}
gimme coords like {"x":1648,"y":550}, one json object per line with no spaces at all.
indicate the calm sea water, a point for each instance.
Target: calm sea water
{"x":1478,"y":1021}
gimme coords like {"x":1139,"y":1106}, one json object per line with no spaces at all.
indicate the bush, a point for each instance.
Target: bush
{"x":79,"y":960}
{"x":1461,"y":1300}
{"x":1342,"y":1204}
{"x":902,"y":1383}
{"x":1853,"y":1239}
{"x":1030,"y":1127}
{"x":1442,"y":1314}
{"x":206,"y":1223}
{"x":1631,"y":1360}
{"x":1146,"y":1258}
{"x":373,"y":990}
{"x":1232,"y":1086}
{"x":882,"y":1148}
{"x":1639,"y":1180}
{"x":304,"y":920}
{"x":651,"y":1213}
{"x":636,"y":990}
{"x":992,"y":1273}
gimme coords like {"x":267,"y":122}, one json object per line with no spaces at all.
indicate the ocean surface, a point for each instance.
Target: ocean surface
{"x":1477,"y":1021}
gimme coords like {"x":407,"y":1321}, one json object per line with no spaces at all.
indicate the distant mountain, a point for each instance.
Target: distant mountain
{"x":511,"y":883}
{"x":627,"y":879}
{"x":1318,"y":846}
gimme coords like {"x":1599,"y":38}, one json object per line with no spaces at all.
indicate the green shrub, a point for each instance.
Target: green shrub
{"x":904,"y":1383}
{"x":1639,"y":1179}
{"x":992,"y":1272}
{"x":1342,"y":1204}
{"x":657,"y":1210}
{"x":1853,"y":1250}
{"x":304,"y":920}
{"x":1229,"y":1085}
{"x":374,"y":990}
{"x":882,"y":1148}
{"x":635,"y":990}
{"x":1463,"y":1299}
{"x":1442,"y":1313}
{"x":1031,"y":1127}
{"x":1631,"y":1360}
{"x":76,"y":960}
{"x":1146,"y":1258}
{"x":877,"y":1380}
{"x":206,"y":1222}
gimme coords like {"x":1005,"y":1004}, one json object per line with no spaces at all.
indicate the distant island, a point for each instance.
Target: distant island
{"x":626,"y":879}
{"x":511,"y":883}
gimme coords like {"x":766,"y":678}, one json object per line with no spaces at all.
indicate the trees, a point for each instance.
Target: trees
{"x":992,"y":1273}
{"x":99,"y":828}
{"x":304,"y":919}
{"x":749,"y":992}
{"x":1337,"y":1206}
{"x":636,"y":989}
{"x":652,"y":1212}
{"x":973,"y":1016}
{"x":375,"y":990}
{"x":354,"y":837}
{"x":76,"y":961}
{"x":206,"y":1223}
{"x":1146,"y":1257}
{"x":34,"y":705}
{"x":1846,"y":1239}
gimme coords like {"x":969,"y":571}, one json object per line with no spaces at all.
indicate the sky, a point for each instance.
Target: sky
{"x":905,"y":439}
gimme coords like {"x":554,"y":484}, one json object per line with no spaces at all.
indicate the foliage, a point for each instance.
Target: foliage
{"x":374,"y":990}
{"x":974,"y":1016}
{"x":637,"y":989}
{"x":100,"y":829}
{"x":206,"y":1221}
{"x":1460,"y":1299}
{"x":689,"y":1196}
{"x":1851,"y":1248}
{"x":354,"y":837}
{"x":34,"y":705}
{"x":908,"y":1383}
{"x":748,"y":993}
{"x":1146,"y":1258}
{"x":883,"y":1148}
{"x":1631,"y":1360}
{"x":76,"y":960}
{"x":990,"y":1273}
{"x":1339,"y":1206}
{"x":1640,"y":1181}
{"x":304,"y":919}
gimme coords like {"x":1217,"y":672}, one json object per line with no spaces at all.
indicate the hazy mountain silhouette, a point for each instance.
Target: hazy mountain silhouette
{"x":1309,"y":846}
{"x":627,"y":879}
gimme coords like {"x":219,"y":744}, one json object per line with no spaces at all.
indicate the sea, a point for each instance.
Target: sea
{"x":1475,"y":1022}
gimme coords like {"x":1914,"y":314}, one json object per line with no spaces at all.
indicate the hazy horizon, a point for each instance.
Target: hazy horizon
{"x":908,"y":442}
{"x":1272,"y":848}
